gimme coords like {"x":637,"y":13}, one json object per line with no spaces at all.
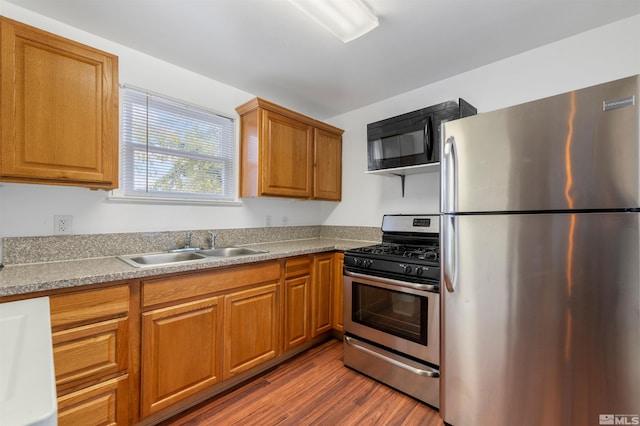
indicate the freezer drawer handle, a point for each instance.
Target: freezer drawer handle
{"x":419,"y":371}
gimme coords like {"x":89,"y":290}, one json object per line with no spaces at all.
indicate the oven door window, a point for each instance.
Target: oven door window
{"x":397,"y":313}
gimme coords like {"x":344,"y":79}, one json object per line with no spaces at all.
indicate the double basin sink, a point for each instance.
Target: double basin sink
{"x":159,"y":259}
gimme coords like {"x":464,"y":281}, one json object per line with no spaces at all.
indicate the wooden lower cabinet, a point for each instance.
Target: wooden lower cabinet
{"x":297,"y":294}
{"x":91,"y":355}
{"x":251,"y":328}
{"x":321,"y":294}
{"x":201,"y":328}
{"x":181,"y":352}
{"x":296,"y":315}
{"x":338,"y":296}
{"x":127,"y":351}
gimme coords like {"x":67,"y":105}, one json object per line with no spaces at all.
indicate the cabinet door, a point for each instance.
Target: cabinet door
{"x":286,"y":156}
{"x":338,"y":260}
{"x":296,"y":314}
{"x":59,"y":110}
{"x":321,"y":294}
{"x":250,"y":328}
{"x":181,"y":352}
{"x":327,"y":183}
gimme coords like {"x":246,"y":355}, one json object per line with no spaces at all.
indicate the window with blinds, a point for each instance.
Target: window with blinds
{"x":171,"y":150}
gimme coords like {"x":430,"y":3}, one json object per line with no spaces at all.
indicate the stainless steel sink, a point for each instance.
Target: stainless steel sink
{"x":158,"y":259}
{"x":230,"y":251}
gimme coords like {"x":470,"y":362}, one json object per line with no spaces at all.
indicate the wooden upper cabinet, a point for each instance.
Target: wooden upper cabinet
{"x":59,"y":110}
{"x":287,"y":154}
{"x":327,"y":166}
{"x":287,"y":160}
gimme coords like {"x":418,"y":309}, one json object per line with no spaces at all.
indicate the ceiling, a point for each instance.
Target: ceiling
{"x":270,"y":49}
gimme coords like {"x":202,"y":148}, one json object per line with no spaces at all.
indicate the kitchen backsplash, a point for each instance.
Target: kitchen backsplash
{"x":18,"y":250}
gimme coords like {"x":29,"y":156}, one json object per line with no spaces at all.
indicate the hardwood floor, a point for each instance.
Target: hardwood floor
{"x":314,"y":388}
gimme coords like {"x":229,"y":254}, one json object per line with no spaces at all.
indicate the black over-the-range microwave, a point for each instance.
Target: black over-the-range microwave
{"x":413,"y":138}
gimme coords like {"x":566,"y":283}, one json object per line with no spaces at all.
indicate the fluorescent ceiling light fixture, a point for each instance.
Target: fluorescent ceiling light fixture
{"x":346,"y":19}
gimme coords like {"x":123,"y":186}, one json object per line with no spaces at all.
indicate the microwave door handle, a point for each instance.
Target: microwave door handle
{"x":428,"y":137}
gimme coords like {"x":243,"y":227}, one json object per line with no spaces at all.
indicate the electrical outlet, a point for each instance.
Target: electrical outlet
{"x":62,"y":224}
{"x":268,"y":221}
{"x":285,"y":220}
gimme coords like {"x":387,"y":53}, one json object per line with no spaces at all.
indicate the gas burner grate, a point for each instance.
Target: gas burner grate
{"x":423,"y":254}
{"x":426,"y":253}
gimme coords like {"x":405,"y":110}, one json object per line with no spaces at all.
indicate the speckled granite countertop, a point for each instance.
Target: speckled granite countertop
{"x":29,"y":278}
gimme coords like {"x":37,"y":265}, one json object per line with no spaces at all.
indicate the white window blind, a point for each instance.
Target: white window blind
{"x":175,"y":151}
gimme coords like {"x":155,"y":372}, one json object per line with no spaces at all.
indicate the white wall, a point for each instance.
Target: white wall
{"x":603,"y":54}
{"x":593,"y":57}
{"x":28,"y":210}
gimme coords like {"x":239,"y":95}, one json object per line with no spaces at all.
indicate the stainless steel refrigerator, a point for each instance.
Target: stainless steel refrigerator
{"x":540,"y":258}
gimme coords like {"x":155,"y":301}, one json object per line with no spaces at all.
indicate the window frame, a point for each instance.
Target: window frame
{"x":126,"y":154}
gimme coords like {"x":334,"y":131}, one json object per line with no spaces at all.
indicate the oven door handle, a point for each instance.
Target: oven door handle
{"x":427,"y":287}
{"x":419,"y":371}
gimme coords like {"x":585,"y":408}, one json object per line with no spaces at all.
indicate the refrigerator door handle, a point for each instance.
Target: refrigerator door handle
{"x":450,"y":253}
{"x":449,"y":193}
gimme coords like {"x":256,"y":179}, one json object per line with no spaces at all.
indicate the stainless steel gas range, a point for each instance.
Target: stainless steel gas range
{"x":392,"y":307}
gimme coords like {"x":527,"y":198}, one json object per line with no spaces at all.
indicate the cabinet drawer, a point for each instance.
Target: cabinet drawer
{"x":73,"y":309}
{"x":172,"y":289}
{"x":297,"y":266}
{"x":102,"y":404}
{"x":89,"y":353}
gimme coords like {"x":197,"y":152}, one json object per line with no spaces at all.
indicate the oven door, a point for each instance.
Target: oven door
{"x":396,"y":314}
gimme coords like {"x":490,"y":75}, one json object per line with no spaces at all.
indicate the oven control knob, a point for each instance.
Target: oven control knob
{"x":368,"y":263}
{"x":419,"y":271}
{"x":407,"y":269}
{"x":357,"y":262}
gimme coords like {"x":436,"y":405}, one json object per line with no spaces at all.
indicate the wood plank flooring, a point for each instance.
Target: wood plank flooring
{"x":314,"y":388}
